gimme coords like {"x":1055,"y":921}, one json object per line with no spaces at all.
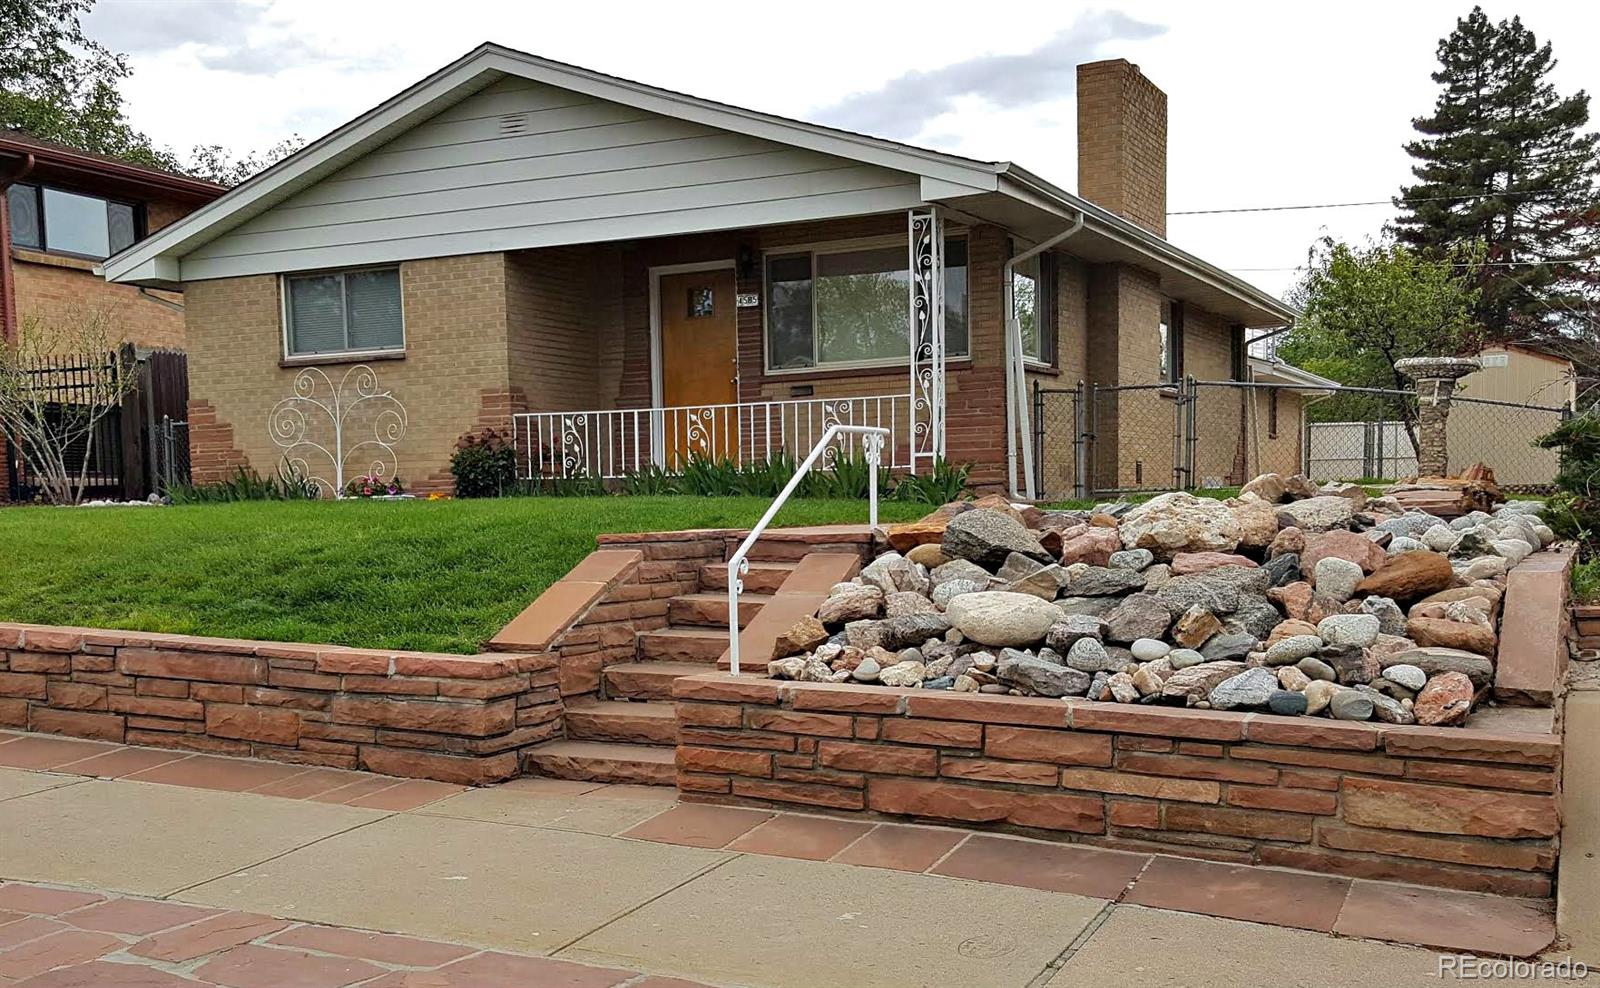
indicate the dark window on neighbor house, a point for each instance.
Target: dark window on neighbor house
{"x":1272,"y":413}
{"x":844,"y":307}
{"x":1170,"y":332}
{"x":1033,"y":293}
{"x":1239,"y":354}
{"x":344,"y":312}
{"x":62,"y":222}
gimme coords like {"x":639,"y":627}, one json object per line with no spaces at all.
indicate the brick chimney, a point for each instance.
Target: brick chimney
{"x":1122,"y":142}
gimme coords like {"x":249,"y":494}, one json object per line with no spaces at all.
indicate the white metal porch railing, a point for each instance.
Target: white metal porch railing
{"x":872,"y":442}
{"x":612,"y":443}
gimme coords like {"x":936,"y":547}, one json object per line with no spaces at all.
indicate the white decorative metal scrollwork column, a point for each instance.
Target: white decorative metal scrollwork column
{"x":347,"y":410}
{"x":926,"y":324}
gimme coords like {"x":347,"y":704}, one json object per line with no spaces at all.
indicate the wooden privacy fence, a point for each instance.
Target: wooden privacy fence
{"x":125,"y":459}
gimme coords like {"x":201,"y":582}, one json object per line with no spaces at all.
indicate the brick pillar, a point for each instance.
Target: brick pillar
{"x":1435,"y":378}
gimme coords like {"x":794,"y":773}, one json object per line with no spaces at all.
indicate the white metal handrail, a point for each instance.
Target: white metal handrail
{"x":872,"y":438}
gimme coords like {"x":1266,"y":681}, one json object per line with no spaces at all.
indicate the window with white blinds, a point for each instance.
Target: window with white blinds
{"x":344,"y":312}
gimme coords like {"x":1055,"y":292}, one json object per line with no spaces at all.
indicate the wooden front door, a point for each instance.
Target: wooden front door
{"x":699,"y":364}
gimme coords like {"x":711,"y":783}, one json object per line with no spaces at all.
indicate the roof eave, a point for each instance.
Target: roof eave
{"x":1142,"y":240}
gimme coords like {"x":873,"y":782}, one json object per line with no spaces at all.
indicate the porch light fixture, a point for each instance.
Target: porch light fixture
{"x":745,"y":263}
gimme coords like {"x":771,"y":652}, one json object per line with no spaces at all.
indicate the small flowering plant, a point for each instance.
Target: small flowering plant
{"x":374,"y":485}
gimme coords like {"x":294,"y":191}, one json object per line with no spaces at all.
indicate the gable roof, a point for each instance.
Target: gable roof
{"x":991,"y":190}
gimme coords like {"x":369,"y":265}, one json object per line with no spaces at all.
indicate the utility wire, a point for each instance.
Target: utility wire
{"x":1367,"y":202}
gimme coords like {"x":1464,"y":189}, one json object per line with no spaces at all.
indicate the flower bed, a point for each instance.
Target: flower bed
{"x":1290,"y":598}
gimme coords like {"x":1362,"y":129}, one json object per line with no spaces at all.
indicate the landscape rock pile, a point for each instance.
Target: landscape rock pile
{"x":1290,"y":598}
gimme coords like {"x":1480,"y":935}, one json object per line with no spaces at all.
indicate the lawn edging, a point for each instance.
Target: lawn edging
{"x":452,"y":718}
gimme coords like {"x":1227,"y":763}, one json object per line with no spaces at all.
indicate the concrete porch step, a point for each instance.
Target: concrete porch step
{"x":598,"y":761}
{"x":623,"y":721}
{"x":764,"y":578}
{"x":646,"y":680}
{"x":710,"y":610}
{"x":687,"y":644}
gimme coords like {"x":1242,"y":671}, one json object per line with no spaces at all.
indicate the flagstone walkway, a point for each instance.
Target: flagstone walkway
{"x":139,"y":867}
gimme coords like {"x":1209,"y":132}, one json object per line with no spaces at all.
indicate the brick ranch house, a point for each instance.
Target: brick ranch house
{"x":625,"y":275}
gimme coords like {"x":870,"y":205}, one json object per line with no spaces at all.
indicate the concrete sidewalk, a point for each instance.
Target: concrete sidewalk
{"x":538,"y":868}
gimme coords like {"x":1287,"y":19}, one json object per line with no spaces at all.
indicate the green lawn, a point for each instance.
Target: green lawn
{"x":433,"y":576}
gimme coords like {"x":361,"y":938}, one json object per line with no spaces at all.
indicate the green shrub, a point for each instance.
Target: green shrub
{"x":651,"y":481}
{"x":946,"y":483}
{"x":1574,"y":513}
{"x":247,"y":485}
{"x":1586,"y":582}
{"x":484,"y":465}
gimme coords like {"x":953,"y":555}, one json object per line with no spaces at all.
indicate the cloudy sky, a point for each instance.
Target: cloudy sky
{"x":1271,"y":104}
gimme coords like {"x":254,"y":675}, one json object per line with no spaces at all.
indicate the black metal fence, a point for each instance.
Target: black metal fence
{"x":124,"y":453}
{"x":1094,"y":441}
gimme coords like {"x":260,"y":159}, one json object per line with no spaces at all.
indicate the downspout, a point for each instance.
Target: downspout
{"x":1017,"y":411}
{"x":9,"y":330}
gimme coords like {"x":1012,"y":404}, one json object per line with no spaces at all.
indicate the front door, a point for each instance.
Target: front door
{"x":699,"y":364}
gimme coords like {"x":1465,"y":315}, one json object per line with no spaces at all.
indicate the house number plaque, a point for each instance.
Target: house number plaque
{"x":748,"y":300}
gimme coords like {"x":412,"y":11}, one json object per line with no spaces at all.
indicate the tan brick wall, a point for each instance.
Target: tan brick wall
{"x":1122,"y":142}
{"x":564,"y":320}
{"x":456,"y":355}
{"x":57,"y":291}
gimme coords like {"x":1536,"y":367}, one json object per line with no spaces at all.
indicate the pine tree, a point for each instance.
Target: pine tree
{"x":1503,"y":160}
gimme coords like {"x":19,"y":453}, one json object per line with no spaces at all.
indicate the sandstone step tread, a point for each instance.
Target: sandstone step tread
{"x":762,"y":578}
{"x":710,"y":609}
{"x":647,"y":680}
{"x":623,"y":721}
{"x":688,"y":644}
{"x":603,"y":761}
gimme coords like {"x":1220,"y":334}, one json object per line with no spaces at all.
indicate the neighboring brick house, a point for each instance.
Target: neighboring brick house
{"x":626,"y":275}
{"x":63,"y":212}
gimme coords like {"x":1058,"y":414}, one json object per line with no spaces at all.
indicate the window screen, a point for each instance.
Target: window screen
{"x":345,"y":311}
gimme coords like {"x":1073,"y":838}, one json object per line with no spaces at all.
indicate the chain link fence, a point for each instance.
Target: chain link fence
{"x":170,"y":451}
{"x":1106,"y":441}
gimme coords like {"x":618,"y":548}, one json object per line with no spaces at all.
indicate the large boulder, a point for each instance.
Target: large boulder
{"x":1095,"y":546}
{"x":927,"y":529}
{"x":1344,"y":545}
{"x":1002,"y":618}
{"x":1032,"y":674}
{"x":1140,"y":615}
{"x":1319,"y":514}
{"x":1434,"y":661}
{"x":851,"y":602}
{"x":1192,"y":684}
{"x":1102,"y":581}
{"x":1408,"y":576}
{"x":1445,"y":700}
{"x":1257,"y":521}
{"x":1269,"y":487}
{"x":1180,"y":522}
{"x":1467,"y":637}
{"x":1190,"y":563}
{"x":986,"y":537}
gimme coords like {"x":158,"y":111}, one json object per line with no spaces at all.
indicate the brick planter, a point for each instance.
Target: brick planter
{"x":453,"y":718}
{"x":1467,"y":808}
{"x":1585,"y":636}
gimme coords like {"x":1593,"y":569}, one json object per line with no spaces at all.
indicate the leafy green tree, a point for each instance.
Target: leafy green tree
{"x":1367,"y":307}
{"x":215,"y":163}
{"x":59,"y":84}
{"x":1503,"y":160}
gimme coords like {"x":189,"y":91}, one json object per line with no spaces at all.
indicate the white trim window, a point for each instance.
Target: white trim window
{"x":343,"y":312}
{"x":846,"y":306}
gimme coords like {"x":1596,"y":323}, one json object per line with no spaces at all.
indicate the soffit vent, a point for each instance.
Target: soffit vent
{"x":513,"y":124}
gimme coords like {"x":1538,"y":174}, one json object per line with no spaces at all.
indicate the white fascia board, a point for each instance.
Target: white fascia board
{"x":935,"y":189}
{"x":1290,"y":374}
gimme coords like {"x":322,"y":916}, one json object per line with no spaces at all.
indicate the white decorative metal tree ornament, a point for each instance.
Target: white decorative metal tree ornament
{"x":926,"y":329}
{"x":320,"y":418}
